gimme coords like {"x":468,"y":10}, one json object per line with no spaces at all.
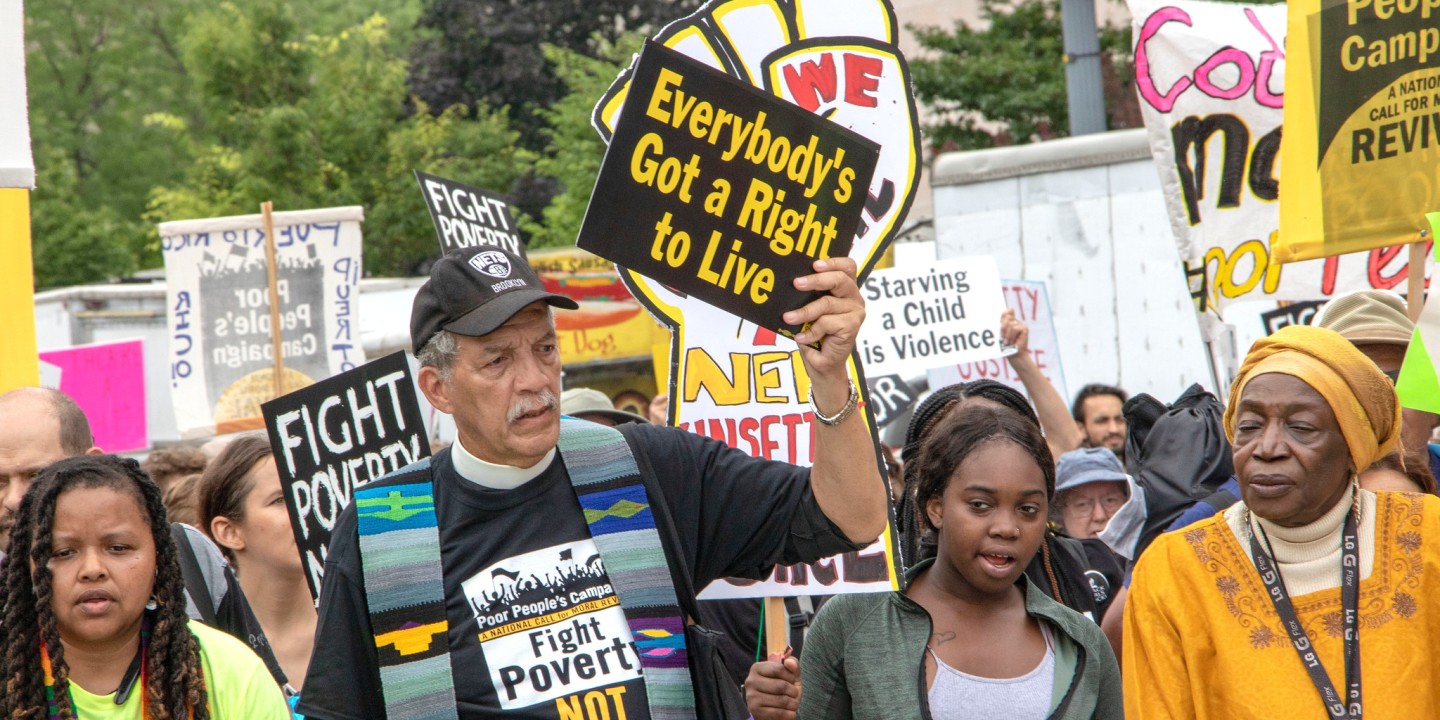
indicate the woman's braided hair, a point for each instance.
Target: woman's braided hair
{"x":916,"y":540}
{"x":175,"y":683}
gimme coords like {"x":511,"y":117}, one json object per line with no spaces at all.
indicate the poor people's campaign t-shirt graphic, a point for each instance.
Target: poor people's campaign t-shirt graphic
{"x":551,"y":626}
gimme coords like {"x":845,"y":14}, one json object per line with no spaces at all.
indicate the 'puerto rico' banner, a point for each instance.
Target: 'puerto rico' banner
{"x":1362,"y":136}
{"x":218,"y":311}
{"x":928,"y":316}
{"x":729,"y":378}
{"x":1211,"y":79}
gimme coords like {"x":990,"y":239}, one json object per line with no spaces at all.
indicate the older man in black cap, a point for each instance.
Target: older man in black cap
{"x":563,"y":572}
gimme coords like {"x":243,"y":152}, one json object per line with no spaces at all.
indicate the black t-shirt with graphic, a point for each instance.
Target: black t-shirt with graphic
{"x":536,"y":630}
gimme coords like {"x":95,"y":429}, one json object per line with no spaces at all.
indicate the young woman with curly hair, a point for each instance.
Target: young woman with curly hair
{"x":92,"y":615}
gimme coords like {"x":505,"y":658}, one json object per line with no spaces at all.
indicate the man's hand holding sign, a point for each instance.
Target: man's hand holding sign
{"x":833,"y":323}
{"x":754,"y":205}
{"x":732,"y":190}
{"x":735,"y":374}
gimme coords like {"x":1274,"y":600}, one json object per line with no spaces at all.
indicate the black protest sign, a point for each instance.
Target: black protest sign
{"x":723,"y":191}
{"x":1296,"y":313}
{"x":467,"y":217}
{"x":890,"y":397}
{"x":337,"y":435}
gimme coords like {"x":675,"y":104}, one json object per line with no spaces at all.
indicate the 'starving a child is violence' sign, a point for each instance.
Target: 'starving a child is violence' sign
{"x":1031,"y":302}
{"x":335,"y":436}
{"x":1362,"y":125}
{"x":922,"y":317}
{"x":467,"y":217}
{"x":725,"y":192}
{"x":221,"y":356}
{"x":1211,"y":78}
{"x":729,"y":378}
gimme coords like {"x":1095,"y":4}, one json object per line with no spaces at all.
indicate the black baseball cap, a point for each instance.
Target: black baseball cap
{"x":473,"y":291}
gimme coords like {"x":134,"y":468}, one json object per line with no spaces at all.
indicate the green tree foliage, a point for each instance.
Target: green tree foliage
{"x":574,"y":150}
{"x":491,"y":51}
{"x":1005,"y":84}
{"x":96,"y":70}
{"x":319,"y":121}
{"x":94,"y":67}
{"x":76,"y":243}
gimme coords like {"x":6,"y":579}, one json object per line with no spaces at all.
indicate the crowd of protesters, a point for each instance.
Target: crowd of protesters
{"x":1214,"y":557}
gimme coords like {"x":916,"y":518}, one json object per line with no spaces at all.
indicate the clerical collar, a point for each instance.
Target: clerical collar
{"x":496,"y":477}
{"x":1320,"y":537}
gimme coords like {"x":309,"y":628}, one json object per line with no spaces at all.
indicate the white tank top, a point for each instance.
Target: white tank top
{"x":957,"y":695}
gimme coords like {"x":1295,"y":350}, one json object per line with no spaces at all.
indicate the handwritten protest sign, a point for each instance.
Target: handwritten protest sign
{"x":1211,"y":82}
{"x":107,"y":381}
{"x":723,"y":191}
{"x":943,"y":313}
{"x":729,"y":378}
{"x":467,"y":217}
{"x":221,"y":357}
{"x":1362,"y":126}
{"x":1031,"y":302}
{"x":336,"y":435}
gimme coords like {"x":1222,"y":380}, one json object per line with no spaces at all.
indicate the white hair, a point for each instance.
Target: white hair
{"x":440,"y":352}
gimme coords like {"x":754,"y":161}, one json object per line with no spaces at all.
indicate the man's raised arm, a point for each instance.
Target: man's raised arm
{"x":845,"y":476}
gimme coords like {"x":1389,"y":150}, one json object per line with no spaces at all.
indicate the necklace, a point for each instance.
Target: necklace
{"x":137,"y":671}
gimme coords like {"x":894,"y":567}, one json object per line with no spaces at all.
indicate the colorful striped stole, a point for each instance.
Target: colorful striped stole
{"x":405,"y":592}
{"x":404,"y":588}
{"x":617,"y":508}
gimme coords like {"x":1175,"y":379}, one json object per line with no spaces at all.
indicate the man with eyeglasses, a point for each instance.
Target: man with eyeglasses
{"x":1090,"y":487}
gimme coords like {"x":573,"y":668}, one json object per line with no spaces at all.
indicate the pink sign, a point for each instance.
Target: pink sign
{"x":107,"y":380}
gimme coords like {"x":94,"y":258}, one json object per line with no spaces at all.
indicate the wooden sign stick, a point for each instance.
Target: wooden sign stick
{"x":1415,"y":288}
{"x":271,"y":271}
{"x":777,"y":626}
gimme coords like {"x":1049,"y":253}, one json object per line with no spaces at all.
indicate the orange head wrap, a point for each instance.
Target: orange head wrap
{"x":1361,"y":397}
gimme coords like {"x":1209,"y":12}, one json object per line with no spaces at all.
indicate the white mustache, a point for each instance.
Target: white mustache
{"x":543,"y":400}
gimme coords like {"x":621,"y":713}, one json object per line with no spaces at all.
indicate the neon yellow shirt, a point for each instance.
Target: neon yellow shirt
{"x":238,"y":685}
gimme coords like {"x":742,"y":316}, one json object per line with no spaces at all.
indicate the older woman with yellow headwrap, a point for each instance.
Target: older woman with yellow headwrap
{"x":1311,"y":598}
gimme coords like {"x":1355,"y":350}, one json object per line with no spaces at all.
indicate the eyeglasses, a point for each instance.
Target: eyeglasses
{"x":1084,"y":506}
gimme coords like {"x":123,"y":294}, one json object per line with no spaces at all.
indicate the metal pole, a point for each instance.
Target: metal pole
{"x":1083,"y":83}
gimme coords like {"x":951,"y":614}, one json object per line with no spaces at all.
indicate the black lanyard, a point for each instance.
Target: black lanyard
{"x":1349,"y":603}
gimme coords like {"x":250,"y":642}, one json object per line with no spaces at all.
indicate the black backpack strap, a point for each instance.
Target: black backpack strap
{"x":194,"y":579}
{"x":1220,"y":500}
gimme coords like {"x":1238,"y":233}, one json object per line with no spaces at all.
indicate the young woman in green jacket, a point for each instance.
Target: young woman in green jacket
{"x":969,"y":637}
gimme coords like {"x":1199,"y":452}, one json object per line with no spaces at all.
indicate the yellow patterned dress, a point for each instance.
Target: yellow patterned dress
{"x":1203,"y":640}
